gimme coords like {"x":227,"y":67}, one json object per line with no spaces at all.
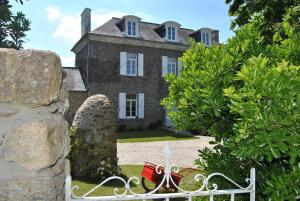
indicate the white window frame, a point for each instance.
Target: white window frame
{"x":131,"y":61}
{"x":172,"y":64}
{"x":130,"y":106}
{"x":131,"y":30}
{"x":171,"y":33}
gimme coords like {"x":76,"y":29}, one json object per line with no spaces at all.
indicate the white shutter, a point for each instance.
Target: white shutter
{"x":179,"y":67}
{"x":140,"y":65}
{"x":122,"y":63}
{"x":141,"y":106}
{"x":122,"y":105}
{"x":164,"y":62}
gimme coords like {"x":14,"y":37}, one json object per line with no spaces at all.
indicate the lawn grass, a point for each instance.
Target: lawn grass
{"x":151,"y":135}
{"x":187,"y":182}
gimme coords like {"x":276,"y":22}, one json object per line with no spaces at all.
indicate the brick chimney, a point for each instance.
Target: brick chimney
{"x":85,"y":21}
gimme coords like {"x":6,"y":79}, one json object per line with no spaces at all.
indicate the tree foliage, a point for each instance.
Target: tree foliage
{"x":13,"y":27}
{"x":245,"y":93}
{"x":268,"y":15}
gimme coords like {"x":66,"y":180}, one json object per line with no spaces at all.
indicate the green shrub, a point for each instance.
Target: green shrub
{"x":246,"y":94}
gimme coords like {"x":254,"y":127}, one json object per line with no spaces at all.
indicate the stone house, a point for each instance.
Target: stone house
{"x":127,"y":59}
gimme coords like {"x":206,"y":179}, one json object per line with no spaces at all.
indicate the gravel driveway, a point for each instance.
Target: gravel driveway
{"x":183,"y":152}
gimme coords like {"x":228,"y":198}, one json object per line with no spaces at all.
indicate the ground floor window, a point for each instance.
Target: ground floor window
{"x":172,"y":67}
{"x":131,"y":105}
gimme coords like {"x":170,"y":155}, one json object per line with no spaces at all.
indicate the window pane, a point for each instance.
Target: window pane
{"x":203,"y":37}
{"x":128,"y":66}
{"x":131,"y":56}
{"x":129,"y":28}
{"x":169,"y":68}
{"x":130,"y":96}
{"x":127,"y":108}
{"x":133,"y":28}
{"x":133,"y":108}
{"x":169,"y":33}
{"x":171,"y":60}
{"x":128,"y":71}
{"x":207,"y":39}
{"x":173,"y":33}
{"x":174,"y":68}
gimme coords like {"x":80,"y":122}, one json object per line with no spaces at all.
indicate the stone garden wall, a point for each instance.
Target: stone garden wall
{"x":34,"y":138}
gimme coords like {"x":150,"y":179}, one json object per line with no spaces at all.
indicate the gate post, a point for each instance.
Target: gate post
{"x":68,"y":186}
{"x":252,"y":180}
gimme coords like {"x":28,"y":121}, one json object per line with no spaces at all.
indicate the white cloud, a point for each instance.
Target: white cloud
{"x":101,"y":16}
{"x":69,"y":26}
{"x":145,"y":17}
{"x":68,"y":61}
{"x":53,"y":13}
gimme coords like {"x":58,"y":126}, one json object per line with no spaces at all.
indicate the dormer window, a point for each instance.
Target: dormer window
{"x":168,"y":31}
{"x":129,"y":25}
{"x":131,"y":28}
{"x":171,"y":34}
{"x":206,"y":38}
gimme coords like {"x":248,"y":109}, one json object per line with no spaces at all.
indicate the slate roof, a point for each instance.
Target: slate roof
{"x":147,"y":31}
{"x":73,"y":79}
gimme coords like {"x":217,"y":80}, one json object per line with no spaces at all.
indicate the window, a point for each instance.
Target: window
{"x":171,"y":33}
{"x":131,"y":64}
{"x":131,"y":105}
{"x":172,"y":65}
{"x":205,"y":38}
{"x":131,"y":28}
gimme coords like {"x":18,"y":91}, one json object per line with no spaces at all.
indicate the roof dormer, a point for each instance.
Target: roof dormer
{"x":130,"y":25}
{"x":206,"y":36}
{"x":169,"y":31}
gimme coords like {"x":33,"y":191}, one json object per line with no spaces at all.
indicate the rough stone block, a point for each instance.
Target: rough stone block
{"x":38,"y":142}
{"x":29,"y":77}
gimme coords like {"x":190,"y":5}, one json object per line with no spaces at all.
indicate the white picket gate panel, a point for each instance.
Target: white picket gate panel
{"x":205,"y":190}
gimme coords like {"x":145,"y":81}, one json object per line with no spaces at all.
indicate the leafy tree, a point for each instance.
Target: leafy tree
{"x":267,"y":14}
{"x":246,"y":94}
{"x":12,"y":27}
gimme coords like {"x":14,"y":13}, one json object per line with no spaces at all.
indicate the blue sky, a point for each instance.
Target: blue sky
{"x":56,"y":23}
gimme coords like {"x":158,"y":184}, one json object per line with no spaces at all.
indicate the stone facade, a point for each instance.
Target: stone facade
{"x":34,"y":139}
{"x":94,"y":141}
{"x":104,"y":76}
{"x":76,"y":99}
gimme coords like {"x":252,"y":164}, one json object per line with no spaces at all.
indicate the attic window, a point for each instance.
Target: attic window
{"x":206,"y":38}
{"x":131,"y":28}
{"x":171,"y":34}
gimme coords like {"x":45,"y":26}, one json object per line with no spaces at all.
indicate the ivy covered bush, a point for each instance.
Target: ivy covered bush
{"x":246,"y":94}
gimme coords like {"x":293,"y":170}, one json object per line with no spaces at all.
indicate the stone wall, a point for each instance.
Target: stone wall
{"x":34,"y":139}
{"x":76,"y":98}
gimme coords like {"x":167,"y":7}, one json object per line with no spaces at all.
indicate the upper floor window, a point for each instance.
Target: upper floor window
{"x":206,"y":38}
{"x":172,"y":65}
{"x":131,"y":28}
{"x":131,"y":64}
{"x":171,"y":33}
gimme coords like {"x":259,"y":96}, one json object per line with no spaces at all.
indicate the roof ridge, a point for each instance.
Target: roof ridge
{"x":153,"y":23}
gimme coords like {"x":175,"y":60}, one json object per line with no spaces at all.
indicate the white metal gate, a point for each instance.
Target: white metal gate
{"x":205,"y":190}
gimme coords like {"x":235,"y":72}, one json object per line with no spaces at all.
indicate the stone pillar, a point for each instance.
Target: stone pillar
{"x":94,"y":141}
{"x":34,"y":139}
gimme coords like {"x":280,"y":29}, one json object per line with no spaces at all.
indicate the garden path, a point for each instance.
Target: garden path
{"x":183,"y":152}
